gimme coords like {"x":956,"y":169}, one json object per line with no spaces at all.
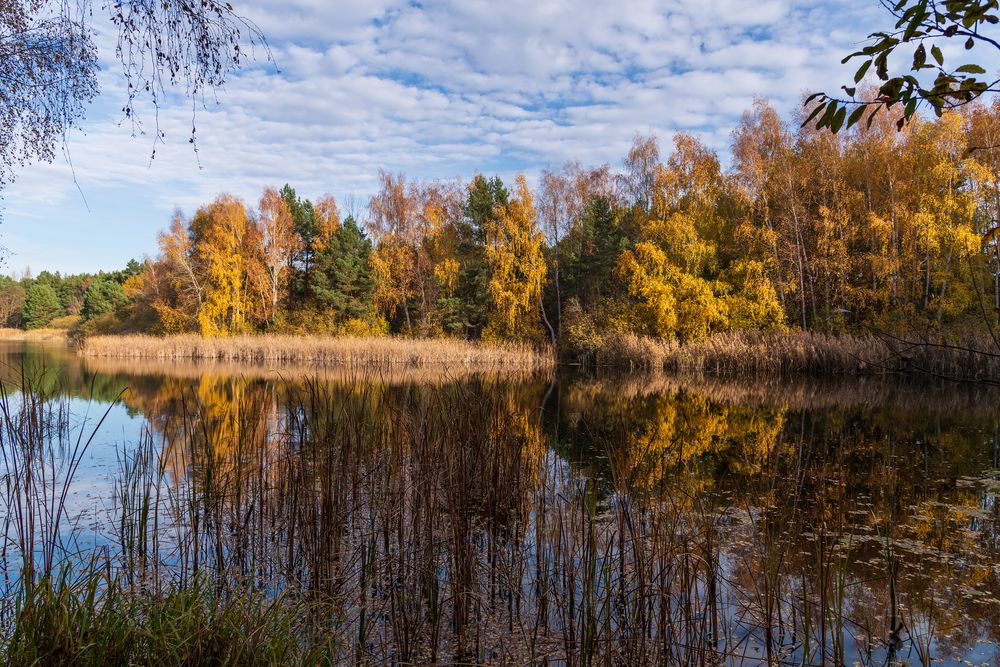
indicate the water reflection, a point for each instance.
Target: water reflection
{"x":636,"y":520}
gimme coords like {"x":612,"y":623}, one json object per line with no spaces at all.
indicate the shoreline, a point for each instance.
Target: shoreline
{"x":787,"y":353}
{"x":34,"y":335}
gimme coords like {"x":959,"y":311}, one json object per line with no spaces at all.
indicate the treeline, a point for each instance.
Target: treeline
{"x":64,"y":301}
{"x":870,"y":228}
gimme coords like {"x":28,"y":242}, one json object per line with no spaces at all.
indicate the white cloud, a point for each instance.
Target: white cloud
{"x":441,"y":89}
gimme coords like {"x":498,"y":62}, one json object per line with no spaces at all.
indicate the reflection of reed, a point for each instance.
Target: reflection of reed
{"x":802,"y":393}
{"x":390,"y":374}
{"x":318,"y":351}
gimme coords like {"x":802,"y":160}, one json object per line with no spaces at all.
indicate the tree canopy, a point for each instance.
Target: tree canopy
{"x":874,"y":228}
{"x":41,"y":306}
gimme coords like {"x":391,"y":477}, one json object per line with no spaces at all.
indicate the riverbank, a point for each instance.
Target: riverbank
{"x":323,"y":351}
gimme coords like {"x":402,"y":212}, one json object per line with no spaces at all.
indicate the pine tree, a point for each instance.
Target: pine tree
{"x":41,"y":306}
{"x":101,"y":298}
{"x":342,"y":281}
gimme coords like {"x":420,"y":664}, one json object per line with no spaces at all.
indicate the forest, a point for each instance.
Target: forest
{"x":873,"y":228}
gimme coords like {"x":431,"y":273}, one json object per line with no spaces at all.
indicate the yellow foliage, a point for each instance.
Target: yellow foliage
{"x":446,"y":274}
{"x":517,"y":267}
{"x":223,"y":229}
{"x":134,"y":285}
{"x":372,"y":326}
{"x":667,"y":301}
{"x":753,"y":303}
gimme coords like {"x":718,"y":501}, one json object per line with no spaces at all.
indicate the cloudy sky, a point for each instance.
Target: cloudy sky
{"x":434,"y":89}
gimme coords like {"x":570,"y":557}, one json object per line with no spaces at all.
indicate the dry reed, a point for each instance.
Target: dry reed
{"x":54,"y":335}
{"x":324,"y":351}
{"x":790,"y":352}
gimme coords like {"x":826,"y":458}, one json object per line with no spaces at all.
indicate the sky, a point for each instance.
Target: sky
{"x":433,"y":89}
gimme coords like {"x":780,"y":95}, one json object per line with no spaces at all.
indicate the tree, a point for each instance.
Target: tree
{"x":49,"y":62}
{"x":517,"y":266}
{"x":924,"y":26}
{"x":41,"y":306}
{"x":227,"y":249}
{"x":179,"y":301}
{"x":393,"y":226}
{"x":485,"y":199}
{"x":591,"y":251}
{"x":342,"y":278}
{"x":304,"y":221}
{"x":103,"y":297}
{"x":280,"y":243}
{"x":563,"y":198}
{"x":11,"y":302}
{"x":640,"y":170}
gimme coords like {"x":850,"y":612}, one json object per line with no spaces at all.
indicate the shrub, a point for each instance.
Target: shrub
{"x":64,"y":322}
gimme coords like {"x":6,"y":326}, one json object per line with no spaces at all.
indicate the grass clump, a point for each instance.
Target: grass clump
{"x":83,"y":617}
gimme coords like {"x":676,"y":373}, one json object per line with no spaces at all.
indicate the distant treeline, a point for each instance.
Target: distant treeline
{"x":870,"y":228}
{"x":63,"y":301}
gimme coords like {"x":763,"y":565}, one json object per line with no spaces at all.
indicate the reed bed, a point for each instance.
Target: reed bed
{"x":805,"y":352}
{"x":368,"y":527}
{"x":396,"y":374}
{"x":324,"y":351}
{"x":34,"y":335}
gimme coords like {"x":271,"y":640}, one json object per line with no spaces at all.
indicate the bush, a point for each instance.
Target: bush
{"x":101,"y":325}
{"x":65,"y":322}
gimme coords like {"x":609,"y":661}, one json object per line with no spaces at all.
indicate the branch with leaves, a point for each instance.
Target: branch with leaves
{"x":923,"y":25}
{"x":49,"y":62}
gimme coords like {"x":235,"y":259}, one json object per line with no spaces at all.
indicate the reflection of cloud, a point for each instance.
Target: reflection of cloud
{"x":440,"y":89}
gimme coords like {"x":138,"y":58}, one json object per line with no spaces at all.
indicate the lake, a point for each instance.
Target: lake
{"x":552,"y":520}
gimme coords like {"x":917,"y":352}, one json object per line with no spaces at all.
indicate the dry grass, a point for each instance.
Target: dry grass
{"x":323,"y":352}
{"x":57,"y":335}
{"x":791,"y":352}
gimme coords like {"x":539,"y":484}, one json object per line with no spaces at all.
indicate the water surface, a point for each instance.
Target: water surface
{"x":572,"y":519}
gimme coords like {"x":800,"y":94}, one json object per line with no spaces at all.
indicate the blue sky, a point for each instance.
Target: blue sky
{"x":434,"y":89}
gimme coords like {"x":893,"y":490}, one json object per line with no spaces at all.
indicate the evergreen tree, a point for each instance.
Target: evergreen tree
{"x":41,"y":306}
{"x":591,"y":253}
{"x":342,"y":283}
{"x":101,"y":298}
{"x":306,"y":226}
{"x":470,"y":310}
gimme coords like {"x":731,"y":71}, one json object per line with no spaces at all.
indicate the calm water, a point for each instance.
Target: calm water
{"x":636,"y":519}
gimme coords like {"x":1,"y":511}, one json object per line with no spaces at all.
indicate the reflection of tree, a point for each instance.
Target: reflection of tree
{"x":847,"y":520}
{"x":859,"y":522}
{"x":646,"y":437}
